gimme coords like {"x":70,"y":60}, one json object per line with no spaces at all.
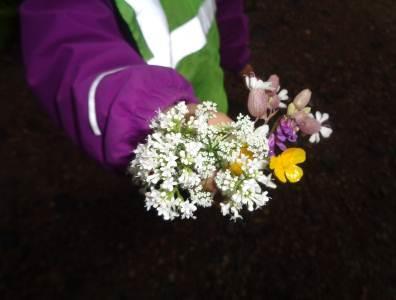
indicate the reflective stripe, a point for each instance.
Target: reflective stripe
{"x":206,"y":14}
{"x":93,"y":122}
{"x":191,"y":37}
{"x":169,"y":49}
{"x":154,"y":26}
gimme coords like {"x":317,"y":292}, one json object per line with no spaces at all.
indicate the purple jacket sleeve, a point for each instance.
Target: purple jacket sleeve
{"x":234,"y":34}
{"x":68,"y":47}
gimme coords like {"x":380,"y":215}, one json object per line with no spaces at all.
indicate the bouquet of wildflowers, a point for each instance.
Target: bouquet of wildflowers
{"x":184,"y":153}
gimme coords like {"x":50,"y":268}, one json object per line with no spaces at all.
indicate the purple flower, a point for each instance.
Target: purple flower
{"x":288,"y":127}
{"x":285,"y":132}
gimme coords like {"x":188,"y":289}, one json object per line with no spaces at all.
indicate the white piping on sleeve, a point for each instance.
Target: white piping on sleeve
{"x":93,"y":121}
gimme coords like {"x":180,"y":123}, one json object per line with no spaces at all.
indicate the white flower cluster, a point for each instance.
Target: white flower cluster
{"x":183,"y":152}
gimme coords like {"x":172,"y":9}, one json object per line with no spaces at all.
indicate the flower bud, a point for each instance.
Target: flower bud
{"x":257,"y":103}
{"x":302,"y":99}
{"x":274,"y":79}
{"x":306,"y":123}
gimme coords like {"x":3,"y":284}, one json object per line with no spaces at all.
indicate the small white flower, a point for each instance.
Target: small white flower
{"x":168,"y":184}
{"x":153,"y":178}
{"x":225,"y":208}
{"x":164,"y":211}
{"x":324,"y":130}
{"x":152,"y":198}
{"x":283,"y":96}
{"x":235,"y":214}
{"x":189,"y":179}
{"x":200,"y":197}
{"x":187,"y":209}
{"x":261,"y":199}
{"x":266,"y":180}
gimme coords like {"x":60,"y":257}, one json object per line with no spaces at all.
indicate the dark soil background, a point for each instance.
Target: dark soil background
{"x":70,"y":230}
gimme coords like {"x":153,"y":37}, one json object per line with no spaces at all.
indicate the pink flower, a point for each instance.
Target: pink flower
{"x":274,"y":100}
{"x":307,"y":123}
{"x":324,"y":131}
{"x":265,"y":96}
{"x":258,"y":99}
{"x":257,"y":103}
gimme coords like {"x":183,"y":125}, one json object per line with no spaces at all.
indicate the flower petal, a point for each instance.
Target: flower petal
{"x":283,"y":95}
{"x":281,"y":146}
{"x":281,"y":137}
{"x":247,"y":82}
{"x":324,"y":118}
{"x":294,"y":173}
{"x":276,"y":165}
{"x":318,"y":115}
{"x":265,"y":85}
{"x":326,"y":131}
{"x":294,"y":156}
{"x":312,"y":138}
{"x":280,"y":174}
{"x":262,"y":130}
{"x":282,"y":105}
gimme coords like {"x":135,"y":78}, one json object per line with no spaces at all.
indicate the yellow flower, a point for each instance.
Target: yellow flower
{"x":236,"y":166}
{"x":285,"y":165}
{"x":246,"y":152}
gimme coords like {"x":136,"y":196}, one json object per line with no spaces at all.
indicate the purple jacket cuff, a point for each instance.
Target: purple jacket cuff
{"x":128,"y":100}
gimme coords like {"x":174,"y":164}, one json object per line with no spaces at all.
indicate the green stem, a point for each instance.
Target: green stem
{"x":214,"y":151}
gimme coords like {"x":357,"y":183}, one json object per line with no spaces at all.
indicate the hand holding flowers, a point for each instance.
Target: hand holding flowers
{"x":193,"y":148}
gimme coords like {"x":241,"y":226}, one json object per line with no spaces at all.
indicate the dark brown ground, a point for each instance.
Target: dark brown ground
{"x":69,"y":230}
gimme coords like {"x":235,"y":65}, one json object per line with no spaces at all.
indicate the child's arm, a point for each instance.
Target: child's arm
{"x":234,"y":35}
{"x":90,"y":80}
